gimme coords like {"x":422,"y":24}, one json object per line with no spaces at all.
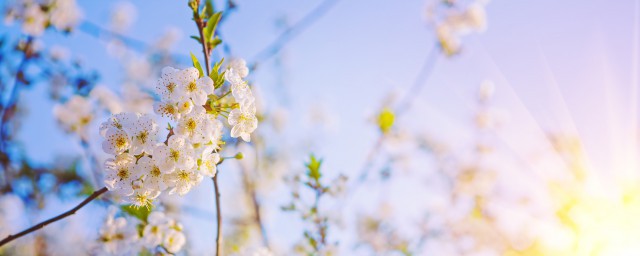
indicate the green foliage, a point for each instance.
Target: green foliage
{"x":142,"y":213}
{"x":385,"y":120}
{"x":208,"y":9}
{"x":196,"y":64}
{"x":197,"y":38}
{"x":212,"y":24}
{"x":313,"y":169}
{"x":216,"y":76}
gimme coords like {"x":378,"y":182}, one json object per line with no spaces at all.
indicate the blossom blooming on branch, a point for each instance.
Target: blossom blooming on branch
{"x":129,"y":236}
{"x":117,"y":236}
{"x":143,"y":167}
{"x":457,"y":22}
{"x":36,"y":16}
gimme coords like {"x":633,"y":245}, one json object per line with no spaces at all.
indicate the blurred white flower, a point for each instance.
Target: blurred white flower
{"x":35,"y":20}
{"x":239,"y":66}
{"x":65,"y":14}
{"x":174,"y":240}
{"x":123,"y":15}
{"x":117,"y":236}
{"x":107,"y":99}
{"x":75,"y":115}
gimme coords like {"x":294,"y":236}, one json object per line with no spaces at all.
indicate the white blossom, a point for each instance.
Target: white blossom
{"x":239,"y":66}
{"x":167,"y":85}
{"x":193,"y":125}
{"x":177,"y":154}
{"x":208,"y":163}
{"x":121,"y":121}
{"x":182,"y":180}
{"x":121,"y":174}
{"x":194,"y":88}
{"x":244,"y":121}
{"x":154,"y":178}
{"x":116,"y":141}
{"x":144,"y":135}
{"x":239,"y":88}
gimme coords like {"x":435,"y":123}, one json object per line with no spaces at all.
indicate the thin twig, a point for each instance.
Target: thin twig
{"x":9,"y":107}
{"x":419,"y":82}
{"x":201,"y":24}
{"x":291,"y":32}
{"x":40,"y":225}
{"x":218,"y":216}
{"x":250,"y":188}
{"x":140,"y":46}
{"x":403,"y":105}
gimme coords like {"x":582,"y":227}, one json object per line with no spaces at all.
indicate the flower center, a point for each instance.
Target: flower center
{"x":123,"y":173}
{"x":209,"y":164}
{"x":175,"y":155}
{"x":191,"y":125}
{"x":142,"y":136}
{"x":121,"y":142}
{"x":192,"y":87}
{"x":183,"y":175}
{"x":170,"y":87}
{"x":155,"y":171}
{"x":142,"y":200}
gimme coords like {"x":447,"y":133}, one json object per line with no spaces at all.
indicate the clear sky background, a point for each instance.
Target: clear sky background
{"x":558,"y":65}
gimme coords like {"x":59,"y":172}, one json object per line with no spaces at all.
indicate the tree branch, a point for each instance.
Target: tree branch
{"x":257,"y":217}
{"x":40,"y":225}
{"x":218,"y":217}
{"x":201,"y":24}
{"x":292,"y":32}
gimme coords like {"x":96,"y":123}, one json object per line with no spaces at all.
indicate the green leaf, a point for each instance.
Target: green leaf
{"x":215,"y":42}
{"x":196,"y":64}
{"x":217,"y":65}
{"x":219,"y":81}
{"x":197,"y":39}
{"x":142,"y":213}
{"x":208,"y":8}
{"x":203,"y":12}
{"x":314,"y":168}
{"x":212,"y":23}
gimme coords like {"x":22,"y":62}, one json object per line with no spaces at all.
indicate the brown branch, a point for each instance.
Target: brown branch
{"x":40,"y":225}
{"x":205,"y":50}
{"x":257,"y":217}
{"x":218,"y":217}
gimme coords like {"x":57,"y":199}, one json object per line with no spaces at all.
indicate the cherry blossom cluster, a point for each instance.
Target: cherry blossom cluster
{"x":143,"y":167}
{"x":36,"y":16}
{"x":457,"y":21}
{"x":130,"y":236}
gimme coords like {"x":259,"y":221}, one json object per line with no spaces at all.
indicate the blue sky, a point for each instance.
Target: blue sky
{"x":557,"y":65}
